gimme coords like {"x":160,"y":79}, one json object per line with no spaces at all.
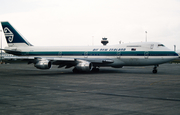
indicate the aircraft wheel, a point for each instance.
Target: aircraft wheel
{"x":154,"y":71}
{"x":95,"y":70}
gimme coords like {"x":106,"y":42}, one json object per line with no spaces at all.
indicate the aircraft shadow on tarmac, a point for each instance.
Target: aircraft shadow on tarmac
{"x":55,"y":72}
{"x":147,"y":70}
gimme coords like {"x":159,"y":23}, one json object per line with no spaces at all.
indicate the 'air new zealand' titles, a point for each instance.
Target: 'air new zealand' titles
{"x":85,"y":58}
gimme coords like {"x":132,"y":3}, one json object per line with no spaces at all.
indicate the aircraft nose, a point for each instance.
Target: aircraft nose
{"x":177,"y":55}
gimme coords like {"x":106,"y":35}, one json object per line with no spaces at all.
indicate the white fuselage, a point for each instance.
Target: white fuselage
{"x":131,"y":54}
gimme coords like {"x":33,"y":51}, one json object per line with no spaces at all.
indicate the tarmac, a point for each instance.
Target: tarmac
{"x":124,"y":91}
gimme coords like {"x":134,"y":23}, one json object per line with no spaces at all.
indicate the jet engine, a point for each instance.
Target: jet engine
{"x":43,"y":64}
{"x":84,"y":66}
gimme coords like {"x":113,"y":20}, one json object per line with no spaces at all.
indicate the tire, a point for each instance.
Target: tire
{"x":154,"y":71}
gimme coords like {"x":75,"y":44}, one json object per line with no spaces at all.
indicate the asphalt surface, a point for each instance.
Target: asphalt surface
{"x":125,"y":91}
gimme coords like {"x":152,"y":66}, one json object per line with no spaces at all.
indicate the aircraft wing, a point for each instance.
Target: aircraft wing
{"x":54,"y":60}
{"x":16,"y":59}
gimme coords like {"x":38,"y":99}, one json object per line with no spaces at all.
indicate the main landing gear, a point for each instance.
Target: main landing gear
{"x":95,"y":69}
{"x":155,"y":69}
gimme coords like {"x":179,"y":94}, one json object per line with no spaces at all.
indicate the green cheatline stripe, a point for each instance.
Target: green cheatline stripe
{"x":98,"y":53}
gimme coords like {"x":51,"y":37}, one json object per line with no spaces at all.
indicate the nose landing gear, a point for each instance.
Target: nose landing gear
{"x":155,"y":69}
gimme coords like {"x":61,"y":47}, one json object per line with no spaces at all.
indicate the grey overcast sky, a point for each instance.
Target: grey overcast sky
{"x":85,"y":22}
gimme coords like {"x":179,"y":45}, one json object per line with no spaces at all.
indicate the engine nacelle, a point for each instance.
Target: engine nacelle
{"x":43,"y":64}
{"x":84,"y":66}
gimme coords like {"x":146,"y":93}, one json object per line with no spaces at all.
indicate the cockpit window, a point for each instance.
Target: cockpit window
{"x":161,"y":45}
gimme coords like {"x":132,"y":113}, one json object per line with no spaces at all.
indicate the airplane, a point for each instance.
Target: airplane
{"x":85,"y":58}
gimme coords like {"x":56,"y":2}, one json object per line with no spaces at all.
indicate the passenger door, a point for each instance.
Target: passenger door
{"x":118,"y":54}
{"x":146,"y":54}
{"x":85,"y":54}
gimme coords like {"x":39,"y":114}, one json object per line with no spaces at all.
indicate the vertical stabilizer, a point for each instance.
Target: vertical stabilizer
{"x":13,"y":38}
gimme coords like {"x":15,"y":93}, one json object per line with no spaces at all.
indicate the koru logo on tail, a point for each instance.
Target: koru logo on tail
{"x":8,"y":34}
